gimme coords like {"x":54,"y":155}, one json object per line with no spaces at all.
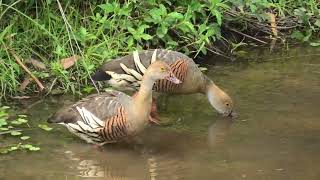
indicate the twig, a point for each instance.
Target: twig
{"x":246,"y":35}
{"x":28,"y":71}
{"x":50,"y":88}
{"x":219,"y":54}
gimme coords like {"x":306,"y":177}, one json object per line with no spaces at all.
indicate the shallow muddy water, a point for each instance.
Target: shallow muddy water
{"x":276,"y":136}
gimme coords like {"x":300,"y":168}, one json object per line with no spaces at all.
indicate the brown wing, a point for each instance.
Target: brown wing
{"x":179,"y":69}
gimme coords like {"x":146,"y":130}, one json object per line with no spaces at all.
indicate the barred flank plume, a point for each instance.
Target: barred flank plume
{"x":94,"y":130}
{"x":179,"y":69}
{"x":115,"y":127}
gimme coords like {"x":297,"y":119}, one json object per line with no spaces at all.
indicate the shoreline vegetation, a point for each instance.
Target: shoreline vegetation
{"x":52,"y":46}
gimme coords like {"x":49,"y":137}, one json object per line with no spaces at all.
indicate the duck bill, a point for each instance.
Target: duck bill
{"x":173,"y":79}
{"x":232,"y":114}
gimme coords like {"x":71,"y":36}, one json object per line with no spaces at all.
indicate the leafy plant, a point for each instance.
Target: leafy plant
{"x":100,"y":30}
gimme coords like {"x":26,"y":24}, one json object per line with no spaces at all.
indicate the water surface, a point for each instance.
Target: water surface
{"x":276,"y":137}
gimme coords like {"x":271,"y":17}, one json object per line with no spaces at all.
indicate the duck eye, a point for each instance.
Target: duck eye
{"x":227,"y":104}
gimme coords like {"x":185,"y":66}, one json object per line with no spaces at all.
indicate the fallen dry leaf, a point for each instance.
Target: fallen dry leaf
{"x":25,"y":83}
{"x":68,"y":62}
{"x":36,"y":63}
{"x":21,"y":97}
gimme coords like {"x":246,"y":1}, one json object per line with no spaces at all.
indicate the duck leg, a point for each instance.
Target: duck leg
{"x":154,"y":115}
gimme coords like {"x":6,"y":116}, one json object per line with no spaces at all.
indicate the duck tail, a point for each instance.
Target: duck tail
{"x":100,"y":75}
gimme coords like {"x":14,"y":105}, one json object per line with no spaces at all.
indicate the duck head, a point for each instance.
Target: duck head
{"x":220,"y":100}
{"x":161,"y":70}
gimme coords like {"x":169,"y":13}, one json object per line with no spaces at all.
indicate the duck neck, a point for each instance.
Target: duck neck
{"x":143,"y":98}
{"x":211,"y":90}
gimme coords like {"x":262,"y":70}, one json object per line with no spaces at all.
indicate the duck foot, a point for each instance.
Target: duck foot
{"x":154,"y":120}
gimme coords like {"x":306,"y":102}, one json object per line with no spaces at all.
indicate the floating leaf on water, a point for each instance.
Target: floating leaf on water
{"x":15,"y":122}
{"x":13,"y":148}
{"x":22,"y":120}
{"x":30,"y":147}
{"x":315,"y":44}
{"x":203,"y":69}
{"x":15,"y":133}
{"x":26,"y":146}
{"x":4,"y":151}
{"x":45,"y":127}
{"x":25,"y":137}
{"x":34,"y":148}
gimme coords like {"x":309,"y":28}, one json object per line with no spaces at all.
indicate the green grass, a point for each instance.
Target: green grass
{"x":98,"y":31}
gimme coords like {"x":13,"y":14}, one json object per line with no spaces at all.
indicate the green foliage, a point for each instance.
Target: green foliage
{"x":298,"y":18}
{"x":101,"y":30}
{"x":14,"y":128}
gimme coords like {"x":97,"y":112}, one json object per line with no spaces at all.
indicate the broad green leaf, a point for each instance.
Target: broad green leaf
{"x":131,"y":30}
{"x":146,"y":37}
{"x":3,"y":122}
{"x":107,"y":7}
{"x":125,"y":11}
{"x":202,"y":28}
{"x":195,"y":6}
{"x":297,"y":35}
{"x":308,"y":35}
{"x":186,"y":26}
{"x":163,"y":9}
{"x":155,"y":15}
{"x":162,"y":31}
{"x":142,"y":28}
{"x":218,"y":16}
{"x":175,"y":15}
{"x":317,"y":23}
{"x":130,"y":41}
{"x":253,"y":8}
{"x":45,"y":127}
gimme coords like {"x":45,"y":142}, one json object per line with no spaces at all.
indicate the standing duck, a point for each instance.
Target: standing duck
{"x":126,"y":72}
{"x":113,"y":116}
